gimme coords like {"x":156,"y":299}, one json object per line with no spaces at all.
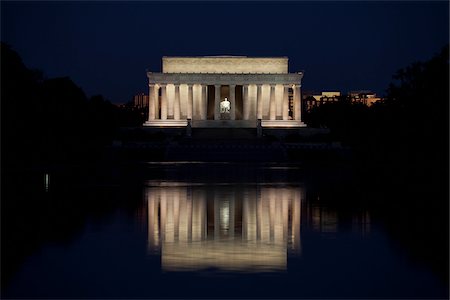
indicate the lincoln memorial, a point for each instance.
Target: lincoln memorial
{"x":224,"y":91}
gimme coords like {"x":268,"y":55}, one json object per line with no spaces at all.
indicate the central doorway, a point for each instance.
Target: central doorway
{"x":225,"y":93}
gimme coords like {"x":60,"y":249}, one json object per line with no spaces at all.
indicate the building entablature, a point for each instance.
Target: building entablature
{"x":224,"y":79}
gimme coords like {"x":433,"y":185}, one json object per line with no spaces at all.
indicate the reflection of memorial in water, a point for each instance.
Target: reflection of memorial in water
{"x":320,"y":217}
{"x":231,"y":228}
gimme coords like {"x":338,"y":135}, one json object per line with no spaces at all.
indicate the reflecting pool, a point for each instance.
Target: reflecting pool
{"x":207,"y":231}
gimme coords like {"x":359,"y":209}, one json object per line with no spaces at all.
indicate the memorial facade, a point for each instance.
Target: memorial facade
{"x":224,"y":91}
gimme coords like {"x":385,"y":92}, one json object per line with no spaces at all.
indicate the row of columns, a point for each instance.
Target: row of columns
{"x":173,"y":108}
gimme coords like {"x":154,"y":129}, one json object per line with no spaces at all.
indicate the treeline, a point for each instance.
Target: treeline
{"x":401,"y":154}
{"x":409,"y":129}
{"x":51,"y":121}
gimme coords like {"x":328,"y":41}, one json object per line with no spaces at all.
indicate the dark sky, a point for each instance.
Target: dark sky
{"x":106,"y":47}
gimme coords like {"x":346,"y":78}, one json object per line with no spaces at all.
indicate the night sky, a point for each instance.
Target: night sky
{"x":106,"y":47}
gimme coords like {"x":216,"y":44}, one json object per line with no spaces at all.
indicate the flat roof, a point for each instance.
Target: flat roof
{"x":225,"y":56}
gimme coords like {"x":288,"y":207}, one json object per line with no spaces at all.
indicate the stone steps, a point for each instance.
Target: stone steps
{"x":225,"y":153}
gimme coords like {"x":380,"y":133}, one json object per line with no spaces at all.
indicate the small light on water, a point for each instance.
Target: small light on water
{"x":47,"y":181}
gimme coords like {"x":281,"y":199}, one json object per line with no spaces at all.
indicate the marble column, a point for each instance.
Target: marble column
{"x":157,"y":115}
{"x":163,"y":102}
{"x":190,"y":102}
{"x":272,"y":107}
{"x":217,"y":102}
{"x":233,"y":102}
{"x":151,"y":104}
{"x":170,"y":100}
{"x":176,"y":108}
{"x":204,"y":103}
{"x":259,"y":102}
{"x":286,"y":102}
{"x":279,"y":101}
{"x":297,"y":102}
{"x":251,"y":97}
{"x":246,"y":103}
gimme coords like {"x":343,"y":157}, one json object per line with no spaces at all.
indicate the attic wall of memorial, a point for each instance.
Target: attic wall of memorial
{"x":224,"y":64}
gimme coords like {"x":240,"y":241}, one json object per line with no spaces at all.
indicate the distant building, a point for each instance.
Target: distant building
{"x":140,"y":100}
{"x":365,"y":97}
{"x":312,"y":99}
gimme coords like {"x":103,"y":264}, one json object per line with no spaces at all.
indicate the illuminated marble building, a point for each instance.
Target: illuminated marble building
{"x":192,"y":90}
{"x":228,"y":228}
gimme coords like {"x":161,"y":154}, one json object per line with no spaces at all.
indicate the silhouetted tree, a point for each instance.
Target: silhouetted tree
{"x":102,"y":119}
{"x":20,"y":103}
{"x":131,"y":116}
{"x":48,"y":121}
{"x":410,"y":136}
{"x":413,"y":121}
{"x":346,"y":120}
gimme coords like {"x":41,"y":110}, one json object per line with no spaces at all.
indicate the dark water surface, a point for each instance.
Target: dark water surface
{"x":193,"y":230}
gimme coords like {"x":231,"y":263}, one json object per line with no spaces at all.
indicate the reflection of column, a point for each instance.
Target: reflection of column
{"x":231,"y":212}
{"x":285,"y":212}
{"x":216,"y":102}
{"x":176,"y":213}
{"x":190,"y":103}
{"x":153,"y":230}
{"x":246,"y":102}
{"x":286,"y":102}
{"x":258,"y":213}
{"x":296,"y":215}
{"x":216,"y":217}
{"x":183,"y":211}
{"x":249,"y":226}
{"x":278,"y":222}
{"x":189,"y":214}
{"x":176,"y":109}
{"x":272,"y":107}
{"x":272,"y":200}
{"x":297,"y":102}
{"x":163,"y":206}
{"x":170,"y":232}
{"x":204,"y":220}
{"x":163,"y":101}
{"x":198,"y":215}
{"x":233,"y":102}
{"x":245,"y":218}
{"x":151,"y":104}
{"x":264,"y":215}
{"x":259,"y":102}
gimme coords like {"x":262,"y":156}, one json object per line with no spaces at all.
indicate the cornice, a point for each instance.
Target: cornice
{"x":224,"y":79}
